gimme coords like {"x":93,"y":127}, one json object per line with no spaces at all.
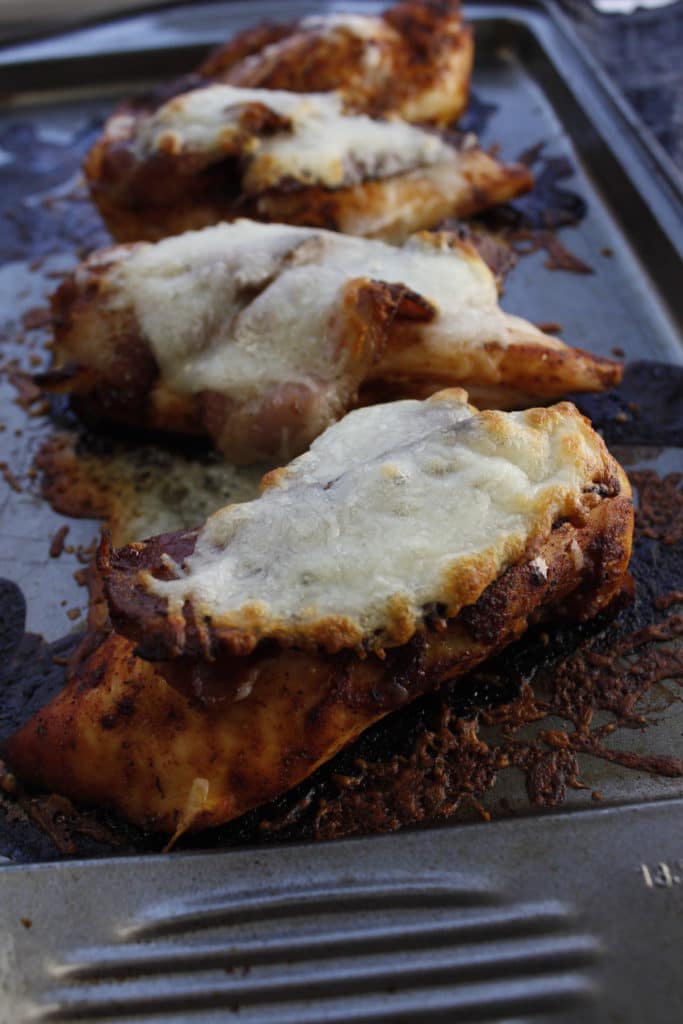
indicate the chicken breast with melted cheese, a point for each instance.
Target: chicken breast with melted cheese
{"x":413,"y":62}
{"x":220,"y":152}
{"x":263,"y":335}
{"x":427,"y":533}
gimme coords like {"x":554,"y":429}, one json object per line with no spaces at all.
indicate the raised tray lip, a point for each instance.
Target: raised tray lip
{"x":652,"y":174}
{"x":674,"y":807}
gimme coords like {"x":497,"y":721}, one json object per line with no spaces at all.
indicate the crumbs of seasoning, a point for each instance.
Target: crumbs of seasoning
{"x":550,"y":327}
{"x":26,"y":921}
{"x":37,"y":317}
{"x":660,"y":506}
{"x":81,"y":576}
{"x":618,"y":351}
{"x":57,"y":542}
{"x":10,"y":478}
{"x":28,"y":391}
{"x":73,"y":614}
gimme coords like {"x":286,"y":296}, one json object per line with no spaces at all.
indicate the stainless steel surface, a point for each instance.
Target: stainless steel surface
{"x":573,"y":916}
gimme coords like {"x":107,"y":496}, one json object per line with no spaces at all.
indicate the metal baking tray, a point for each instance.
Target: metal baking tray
{"x":572,"y":915}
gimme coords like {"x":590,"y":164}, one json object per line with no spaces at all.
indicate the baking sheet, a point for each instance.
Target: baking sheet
{"x":535,"y":88}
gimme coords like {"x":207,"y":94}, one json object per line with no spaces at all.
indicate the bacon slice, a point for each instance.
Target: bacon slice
{"x":219,"y":152}
{"x":262,"y":335}
{"x":413,"y":62}
{"x":182,"y":746}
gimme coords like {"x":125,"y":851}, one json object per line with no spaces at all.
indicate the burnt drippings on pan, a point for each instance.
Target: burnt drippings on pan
{"x":531,"y":222}
{"x":138,"y":489}
{"x":45,"y":207}
{"x":550,"y":699}
{"x":36,"y":828}
{"x":646,"y":408}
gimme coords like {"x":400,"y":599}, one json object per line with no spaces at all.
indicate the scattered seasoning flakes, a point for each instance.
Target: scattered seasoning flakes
{"x":560,"y":258}
{"x":38,"y":316}
{"x":74,"y":613}
{"x":26,"y":921}
{"x":40,"y":408}
{"x":618,"y":351}
{"x":86,"y":552}
{"x":607,"y":252}
{"x":57,"y":542}
{"x":81,"y":577}
{"x":28,"y":391}
{"x":660,"y":505}
{"x":10,"y":477}
{"x":550,"y":327}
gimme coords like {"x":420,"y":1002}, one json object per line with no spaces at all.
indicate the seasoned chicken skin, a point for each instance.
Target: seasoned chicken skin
{"x":413,"y":62}
{"x":220,"y":152}
{"x":262,"y":335}
{"x":189,"y":743}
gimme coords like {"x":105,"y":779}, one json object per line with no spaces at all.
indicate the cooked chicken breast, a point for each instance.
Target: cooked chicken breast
{"x":262,"y":335}
{"x":413,"y":62}
{"x":451,"y":532}
{"x":397,"y":513}
{"x":220,"y":152}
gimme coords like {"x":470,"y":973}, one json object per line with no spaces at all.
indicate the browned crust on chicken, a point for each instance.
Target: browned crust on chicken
{"x":161,"y":632}
{"x":494,"y":375}
{"x":421,"y":64}
{"x":155,"y":199}
{"x":391,"y":209}
{"x":185,"y":746}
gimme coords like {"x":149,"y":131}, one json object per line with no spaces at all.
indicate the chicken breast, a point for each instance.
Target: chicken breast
{"x":262,"y":335}
{"x":187,"y":743}
{"x":220,"y":152}
{"x":413,"y":62}
{"x":398,"y":513}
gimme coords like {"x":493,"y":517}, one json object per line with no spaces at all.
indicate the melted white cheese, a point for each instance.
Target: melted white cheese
{"x":395,"y":509}
{"x":236,"y":307}
{"x":361,"y":25}
{"x":324,"y":146}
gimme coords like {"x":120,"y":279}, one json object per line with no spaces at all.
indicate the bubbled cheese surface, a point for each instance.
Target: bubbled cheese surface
{"x":237,"y":307}
{"x":324,"y":146}
{"x":394,"y":510}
